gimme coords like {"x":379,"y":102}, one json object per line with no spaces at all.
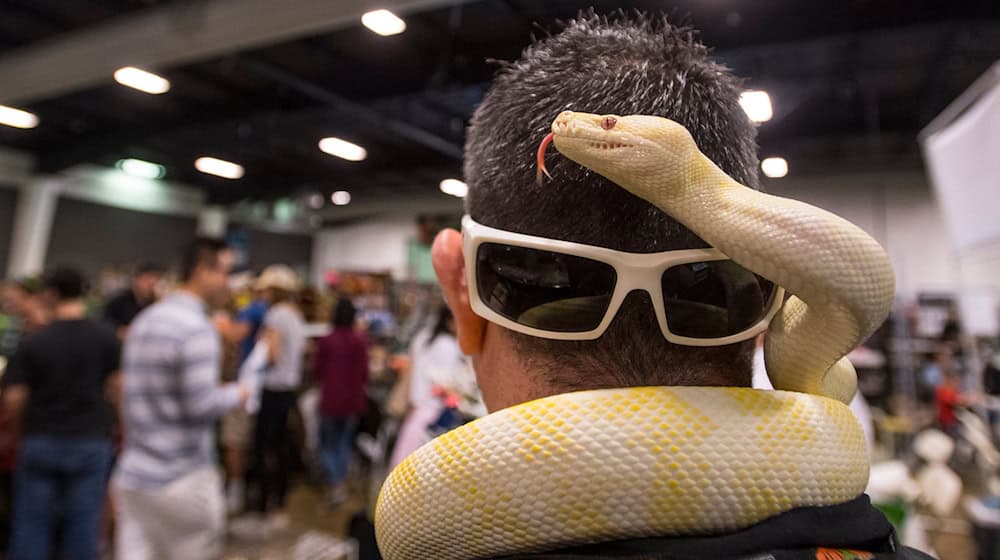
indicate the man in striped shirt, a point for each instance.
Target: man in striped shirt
{"x":168,"y":491}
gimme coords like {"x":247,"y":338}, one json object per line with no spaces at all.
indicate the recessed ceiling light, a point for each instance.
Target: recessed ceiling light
{"x":454,"y":187}
{"x":341,"y":198}
{"x":141,"y":80}
{"x":757,"y":105}
{"x":17,"y":118}
{"x":316,"y":201}
{"x":383,"y":22}
{"x":140,"y":168}
{"x":342,"y":149}
{"x":219,"y":167}
{"x":774,"y":167}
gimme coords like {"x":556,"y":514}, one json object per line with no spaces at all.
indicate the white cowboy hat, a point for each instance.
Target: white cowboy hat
{"x":278,"y":276}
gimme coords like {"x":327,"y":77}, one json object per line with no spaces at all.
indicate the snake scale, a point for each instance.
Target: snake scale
{"x":627,"y":463}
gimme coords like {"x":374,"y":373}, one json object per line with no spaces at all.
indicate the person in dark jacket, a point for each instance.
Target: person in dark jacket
{"x":626,"y":65}
{"x":124,"y":306}
{"x":342,"y":372}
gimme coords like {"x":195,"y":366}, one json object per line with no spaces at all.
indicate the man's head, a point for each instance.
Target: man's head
{"x":344,"y":314}
{"x":144,"y":282}
{"x":627,"y":66}
{"x":205,"y":265}
{"x":64,"y":284}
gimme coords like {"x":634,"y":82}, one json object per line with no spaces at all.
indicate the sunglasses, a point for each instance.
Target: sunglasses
{"x":569,"y":291}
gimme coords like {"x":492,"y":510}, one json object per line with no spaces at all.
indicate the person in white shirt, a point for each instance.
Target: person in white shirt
{"x":431,"y":349}
{"x":284,"y":333}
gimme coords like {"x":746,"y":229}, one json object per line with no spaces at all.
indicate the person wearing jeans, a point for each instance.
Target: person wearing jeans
{"x":336,"y":440}
{"x":56,"y":396}
{"x":68,"y":471}
{"x":342,"y":372}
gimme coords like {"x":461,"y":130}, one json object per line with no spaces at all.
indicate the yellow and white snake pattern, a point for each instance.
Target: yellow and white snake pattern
{"x":627,"y":463}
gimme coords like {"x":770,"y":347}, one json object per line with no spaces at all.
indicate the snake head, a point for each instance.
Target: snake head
{"x":629,"y":150}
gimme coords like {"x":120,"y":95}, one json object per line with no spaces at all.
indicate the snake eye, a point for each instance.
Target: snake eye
{"x":607,"y":123}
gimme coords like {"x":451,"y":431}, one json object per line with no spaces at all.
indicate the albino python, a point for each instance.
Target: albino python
{"x":628,"y":463}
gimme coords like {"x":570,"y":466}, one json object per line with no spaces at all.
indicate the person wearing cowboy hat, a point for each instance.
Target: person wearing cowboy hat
{"x":284,"y":333}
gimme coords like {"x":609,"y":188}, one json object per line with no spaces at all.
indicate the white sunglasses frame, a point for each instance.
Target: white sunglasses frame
{"x":634,"y":271}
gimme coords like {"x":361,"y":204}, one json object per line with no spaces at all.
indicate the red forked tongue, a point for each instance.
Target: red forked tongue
{"x":541,"y":157}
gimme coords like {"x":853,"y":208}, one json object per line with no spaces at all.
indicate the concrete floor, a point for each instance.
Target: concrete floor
{"x":314,"y":526}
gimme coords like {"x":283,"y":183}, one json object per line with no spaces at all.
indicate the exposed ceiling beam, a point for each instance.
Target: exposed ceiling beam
{"x":174,"y":34}
{"x":359,"y":111}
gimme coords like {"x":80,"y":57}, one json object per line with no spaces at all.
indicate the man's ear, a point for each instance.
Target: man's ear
{"x":449,"y":263}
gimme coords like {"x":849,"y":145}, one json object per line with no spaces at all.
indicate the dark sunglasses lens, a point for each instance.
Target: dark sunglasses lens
{"x":544,"y":290}
{"x":714,"y":299}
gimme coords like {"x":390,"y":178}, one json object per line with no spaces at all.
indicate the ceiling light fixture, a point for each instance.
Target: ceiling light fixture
{"x":17,"y":118}
{"x":757,"y":105}
{"x":341,"y":198}
{"x":219,"y":167}
{"x":141,"y":80}
{"x":316,"y":201}
{"x":454,"y":187}
{"x":140,"y":168}
{"x":383,"y":22}
{"x":774,"y":167}
{"x":342,"y":149}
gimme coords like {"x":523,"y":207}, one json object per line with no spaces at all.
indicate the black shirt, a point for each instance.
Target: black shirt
{"x":122,"y":309}
{"x":65,"y":365}
{"x":850,"y":531}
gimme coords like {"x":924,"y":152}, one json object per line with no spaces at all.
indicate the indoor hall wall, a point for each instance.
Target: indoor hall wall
{"x":272,"y":247}
{"x":899,"y":210}
{"x":92,"y":235}
{"x":375,"y":245}
{"x":8,"y":205}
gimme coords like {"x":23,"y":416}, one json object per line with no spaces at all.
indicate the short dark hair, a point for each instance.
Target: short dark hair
{"x":344,"y":313}
{"x":66,"y":282}
{"x":202,"y":251}
{"x":623,"y":64}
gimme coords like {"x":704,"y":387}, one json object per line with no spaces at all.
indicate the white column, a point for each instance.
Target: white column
{"x":213,"y":221}
{"x":36,"y":209}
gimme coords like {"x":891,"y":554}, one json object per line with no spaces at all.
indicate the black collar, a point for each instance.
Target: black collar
{"x":853,"y":525}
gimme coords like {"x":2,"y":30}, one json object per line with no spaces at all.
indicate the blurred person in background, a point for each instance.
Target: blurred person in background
{"x":949,"y":396}
{"x":24,"y":309}
{"x":18,"y":302}
{"x":123,"y":307}
{"x":55,"y":394}
{"x":166,"y":487}
{"x":435,"y":348}
{"x":119,"y":312}
{"x":933,"y":373}
{"x":237,"y":425}
{"x":342,"y":371}
{"x":284,"y":332}
{"x":248,"y":322}
{"x":12,"y":298}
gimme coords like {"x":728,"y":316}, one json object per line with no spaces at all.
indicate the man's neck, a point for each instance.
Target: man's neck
{"x":70,"y":310}
{"x":192,"y":290}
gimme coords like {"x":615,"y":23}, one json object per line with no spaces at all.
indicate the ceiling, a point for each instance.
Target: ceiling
{"x":852,"y":82}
